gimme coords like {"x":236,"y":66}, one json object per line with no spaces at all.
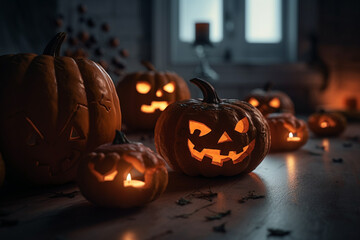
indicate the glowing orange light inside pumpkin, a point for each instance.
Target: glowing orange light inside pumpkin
{"x":275,"y":103}
{"x":242,"y":126}
{"x":224,"y":138}
{"x":143,"y":87}
{"x":133,"y":183}
{"x":292,"y":138}
{"x":324,"y":124}
{"x":161,"y":105}
{"x":170,"y":87}
{"x":254,"y":102}
{"x":159,"y":93}
{"x":194,"y":125}
{"x":216,"y":157}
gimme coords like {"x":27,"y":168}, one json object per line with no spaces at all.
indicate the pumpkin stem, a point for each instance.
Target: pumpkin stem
{"x":210,"y":95}
{"x":53,"y":47}
{"x":148,"y":65}
{"x":120,"y":138}
{"x":268,"y":86}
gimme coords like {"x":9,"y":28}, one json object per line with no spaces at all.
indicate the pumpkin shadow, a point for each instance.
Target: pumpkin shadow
{"x":179,"y":182}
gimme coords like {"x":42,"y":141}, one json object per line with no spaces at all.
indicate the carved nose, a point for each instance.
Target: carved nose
{"x":224,"y":138}
{"x":159,"y":93}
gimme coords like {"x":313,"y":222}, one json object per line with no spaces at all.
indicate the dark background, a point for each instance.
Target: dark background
{"x":328,"y":35}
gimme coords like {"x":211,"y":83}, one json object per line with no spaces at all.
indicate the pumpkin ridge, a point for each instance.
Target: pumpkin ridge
{"x":184,"y":165}
{"x":114,"y":96}
{"x":46,"y":96}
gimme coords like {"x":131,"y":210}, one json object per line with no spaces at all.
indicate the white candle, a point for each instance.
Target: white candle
{"x":291,"y":138}
{"x":133,"y":183}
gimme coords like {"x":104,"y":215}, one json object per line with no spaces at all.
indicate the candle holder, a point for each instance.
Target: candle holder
{"x":201,"y":43}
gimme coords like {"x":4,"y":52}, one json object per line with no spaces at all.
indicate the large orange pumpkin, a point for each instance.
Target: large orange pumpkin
{"x":52,"y":110}
{"x":144,"y":95}
{"x":212,"y":137}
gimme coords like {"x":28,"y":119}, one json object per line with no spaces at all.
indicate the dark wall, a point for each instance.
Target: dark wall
{"x":26,"y":26}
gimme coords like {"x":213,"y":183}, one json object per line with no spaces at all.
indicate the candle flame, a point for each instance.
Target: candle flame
{"x":128,"y":177}
{"x":324,"y":124}
{"x":291,"y":135}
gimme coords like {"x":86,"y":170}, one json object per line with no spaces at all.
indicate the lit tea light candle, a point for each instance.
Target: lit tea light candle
{"x":324,"y":124}
{"x":133,"y":183}
{"x":291,"y":138}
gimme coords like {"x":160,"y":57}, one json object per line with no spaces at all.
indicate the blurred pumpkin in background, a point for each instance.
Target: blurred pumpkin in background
{"x":288,"y":133}
{"x":327,"y":124}
{"x":213,"y":136}
{"x":53,"y":109}
{"x":270,"y":101}
{"x":145,"y":95}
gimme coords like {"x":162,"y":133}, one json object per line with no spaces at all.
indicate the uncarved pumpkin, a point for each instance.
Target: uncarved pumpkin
{"x":212,"y":137}
{"x":103,"y":173}
{"x":53,"y":109}
{"x":144,"y":95}
{"x":270,"y":101}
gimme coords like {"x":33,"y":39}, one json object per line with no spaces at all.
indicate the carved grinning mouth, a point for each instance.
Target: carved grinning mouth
{"x":161,"y":105}
{"x":62,"y":165}
{"x":217,"y":158}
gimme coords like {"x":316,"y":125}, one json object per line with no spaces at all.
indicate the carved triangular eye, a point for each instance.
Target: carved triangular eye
{"x":35,"y":136}
{"x":242,"y":126}
{"x":75,"y":134}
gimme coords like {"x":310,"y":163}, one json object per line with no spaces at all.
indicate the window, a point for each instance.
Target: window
{"x":242,"y":31}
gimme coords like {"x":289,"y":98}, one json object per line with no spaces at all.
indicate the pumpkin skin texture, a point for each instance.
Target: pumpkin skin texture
{"x":281,"y":124}
{"x":270,"y":101}
{"x":146,"y":94}
{"x":2,"y":171}
{"x":212,"y":137}
{"x":327,"y":124}
{"x":53,"y":110}
{"x":102,"y":173}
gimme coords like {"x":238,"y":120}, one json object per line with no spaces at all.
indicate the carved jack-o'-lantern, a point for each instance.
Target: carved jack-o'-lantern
{"x":269,"y":101}
{"x":122,"y":174}
{"x":287,"y":132}
{"x":327,"y":124}
{"x":212,"y":137}
{"x":53,"y":109}
{"x":144,"y":95}
{"x":2,"y":170}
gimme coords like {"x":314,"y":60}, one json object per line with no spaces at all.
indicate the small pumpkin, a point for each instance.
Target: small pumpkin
{"x":2,"y":170}
{"x":270,"y":101}
{"x":327,"y":124}
{"x":212,"y":137}
{"x":103,"y":174}
{"x":288,"y":133}
{"x":144,"y":95}
{"x":52,"y":110}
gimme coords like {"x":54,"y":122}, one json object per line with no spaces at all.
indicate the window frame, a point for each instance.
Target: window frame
{"x":180,"y":52}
